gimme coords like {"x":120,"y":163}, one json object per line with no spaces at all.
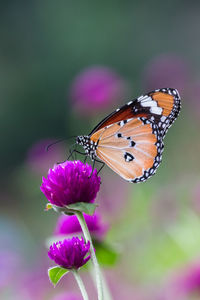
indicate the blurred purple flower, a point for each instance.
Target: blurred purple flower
{"x":67,"y":296}
{"x":70,"y":182}
{"x":70,"y":253}
{"x":39,"y":160}
{"x":166,"y":70}
{"x":67,"y":225}
{"x":96,"y":87}
{"x":185,"y":284}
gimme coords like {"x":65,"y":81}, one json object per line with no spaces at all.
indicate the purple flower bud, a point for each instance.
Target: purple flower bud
{"x":67,"y":225}
{"x":71,"y":182}
{"x":96,"y":88}
{"x":70,"y":253}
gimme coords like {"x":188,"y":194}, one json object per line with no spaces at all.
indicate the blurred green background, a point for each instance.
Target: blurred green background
{"x":155,"y":226}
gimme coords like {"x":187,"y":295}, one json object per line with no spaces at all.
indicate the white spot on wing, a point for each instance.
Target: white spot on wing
{"x":149,"y":103}
{"x":156,"y":110}
{"x":145,"y":98}
{"x":162,"y":119}
{"x":141,"y":97}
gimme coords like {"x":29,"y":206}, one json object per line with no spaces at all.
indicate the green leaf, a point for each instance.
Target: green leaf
{"x":56,"y":273}
{"x":107,"y":255}
{"x":88,"y":208}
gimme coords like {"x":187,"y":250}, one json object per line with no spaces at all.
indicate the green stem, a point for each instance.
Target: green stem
{"x":80,"y":284}
{"x":106,"y":291}
{"x":93,"y":256}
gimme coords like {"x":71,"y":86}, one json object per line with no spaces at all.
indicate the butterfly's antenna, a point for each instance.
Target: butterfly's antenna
{"x":58,"y":141}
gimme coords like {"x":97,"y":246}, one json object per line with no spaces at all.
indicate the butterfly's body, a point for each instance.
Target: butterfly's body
{"x":88,"y":145}
{"x":130,"y":140}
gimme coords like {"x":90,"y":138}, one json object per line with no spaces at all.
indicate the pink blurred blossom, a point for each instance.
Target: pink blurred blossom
{"x":96,"y":88}
{"x":39,"y":160}
{"x":185,"y":284}
{"x":166,"y":70}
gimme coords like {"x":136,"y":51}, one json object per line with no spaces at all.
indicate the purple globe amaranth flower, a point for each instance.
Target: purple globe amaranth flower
{"x":95,"y":88}
{"x":67,"y":225}
{"x":71,"y":182}
{"x":70,"y":253}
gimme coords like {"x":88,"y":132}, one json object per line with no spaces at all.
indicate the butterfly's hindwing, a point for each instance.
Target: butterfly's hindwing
{"x":132,"y":149}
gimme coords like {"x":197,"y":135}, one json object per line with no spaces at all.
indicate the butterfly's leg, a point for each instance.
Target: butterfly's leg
{"x":70,"y":155}
{"x":103,"y":164}
{"x":85,"y":159}
{"x":82,"y":153}
{"x":92,"y":168}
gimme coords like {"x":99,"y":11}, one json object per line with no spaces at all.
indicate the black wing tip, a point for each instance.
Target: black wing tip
{"x":171,"y":91}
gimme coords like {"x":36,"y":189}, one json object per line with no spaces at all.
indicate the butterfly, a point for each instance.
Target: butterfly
{"x":130,"y":139}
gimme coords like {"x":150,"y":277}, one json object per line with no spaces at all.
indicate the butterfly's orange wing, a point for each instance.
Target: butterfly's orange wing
{"x":130,"y":140}
{"x":161,"y":106}
{"x":132,"y":148}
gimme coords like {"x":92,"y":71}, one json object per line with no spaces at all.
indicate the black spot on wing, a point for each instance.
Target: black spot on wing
{"x":128,"y":157}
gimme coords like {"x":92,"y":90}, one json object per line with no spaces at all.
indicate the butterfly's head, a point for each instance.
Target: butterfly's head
{"x":80,"y":140}
{"x":83,"y":140}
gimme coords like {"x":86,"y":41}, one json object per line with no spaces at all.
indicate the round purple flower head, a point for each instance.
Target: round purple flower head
{"x":70,"y":182}
{"x":67,"y":225}
{"x":70,"y":253}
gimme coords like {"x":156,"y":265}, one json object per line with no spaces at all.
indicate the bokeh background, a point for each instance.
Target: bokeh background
{"x":63,"y":66}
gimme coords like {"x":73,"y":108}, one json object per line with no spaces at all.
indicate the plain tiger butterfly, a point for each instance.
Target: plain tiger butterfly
{"x":130,"y":140}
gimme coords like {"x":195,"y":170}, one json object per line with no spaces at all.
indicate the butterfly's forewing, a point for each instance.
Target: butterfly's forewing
{"x":160,"y":106}
{"x":132,"y":148}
